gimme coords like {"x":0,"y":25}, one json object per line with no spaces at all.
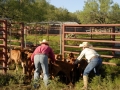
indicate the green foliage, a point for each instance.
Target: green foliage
{"x":15,"y":82}
{"x":4,"y":80}
{"x":99,"y":12}
{"x":33,"y":11}
{"x":11,"y":79}
{"x":109,"y":69}
{"x":115,"y":60}
{"x":94,"y":11}
{"x":99,"y":83}
{"x":114,"y":14}
{"x":106,"y":83}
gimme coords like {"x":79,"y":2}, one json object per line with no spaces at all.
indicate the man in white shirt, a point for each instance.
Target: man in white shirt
{"x":94,"y":61}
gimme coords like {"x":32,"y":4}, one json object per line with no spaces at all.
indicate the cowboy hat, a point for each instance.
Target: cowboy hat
{"x":43,"y":41}
{"x":85,"y":44}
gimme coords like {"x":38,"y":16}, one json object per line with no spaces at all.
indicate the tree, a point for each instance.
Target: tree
{"x":96,"y":11}
{"x":33,"y":11}
{"x":114,"y":14}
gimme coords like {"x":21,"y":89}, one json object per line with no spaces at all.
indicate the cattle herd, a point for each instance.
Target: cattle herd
{"x":64,"y":68}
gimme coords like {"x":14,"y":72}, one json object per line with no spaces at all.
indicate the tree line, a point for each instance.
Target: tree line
{"x":94,"y":11}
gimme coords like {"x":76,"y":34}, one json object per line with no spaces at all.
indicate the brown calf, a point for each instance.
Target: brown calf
{"x":18,"y":57}
{"x":62,"y":66}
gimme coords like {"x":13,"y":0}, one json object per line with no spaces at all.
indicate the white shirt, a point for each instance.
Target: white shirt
{"x":88,"y":53}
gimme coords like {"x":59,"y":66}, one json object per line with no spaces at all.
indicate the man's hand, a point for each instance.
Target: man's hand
{"x":76,"y":61}
{"x":32,"y":63}
{"x":53,"y":62}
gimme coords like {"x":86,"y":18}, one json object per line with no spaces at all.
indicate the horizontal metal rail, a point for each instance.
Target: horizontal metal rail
{"x":13,"y":46}
{"x":14,"y":40}
{"x":91,"y":25}
{"x":84,"y":40}
{"x":109,"y":49}
{"x":103,"y":56}
{"x":96,"y":33}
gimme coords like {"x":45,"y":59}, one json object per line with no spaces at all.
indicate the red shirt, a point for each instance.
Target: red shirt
{"x":43,"y":49}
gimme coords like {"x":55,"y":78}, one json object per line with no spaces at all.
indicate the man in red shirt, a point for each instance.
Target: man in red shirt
{"x":40,"y":59}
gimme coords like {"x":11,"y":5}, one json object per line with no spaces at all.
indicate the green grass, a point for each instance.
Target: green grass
{"x":109,"y":80}
{"x":54,"y":41}
{"x":14,"y":82}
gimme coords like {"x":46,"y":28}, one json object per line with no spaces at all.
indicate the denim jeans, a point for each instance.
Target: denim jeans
{"x":94,"y":64}
{"x":41,"y":61}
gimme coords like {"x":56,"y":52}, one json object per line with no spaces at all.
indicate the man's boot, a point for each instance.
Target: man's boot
{"x":85,"y":82}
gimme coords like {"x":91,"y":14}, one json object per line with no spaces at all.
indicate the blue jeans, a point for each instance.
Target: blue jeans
{"x":41,"y":61}
{"x":94,"y":64}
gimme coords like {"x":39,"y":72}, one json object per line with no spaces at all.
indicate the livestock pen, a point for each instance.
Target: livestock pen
{"x":104,"y":37}
{"x":8,"y":31}
{"x":68,"y":39}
